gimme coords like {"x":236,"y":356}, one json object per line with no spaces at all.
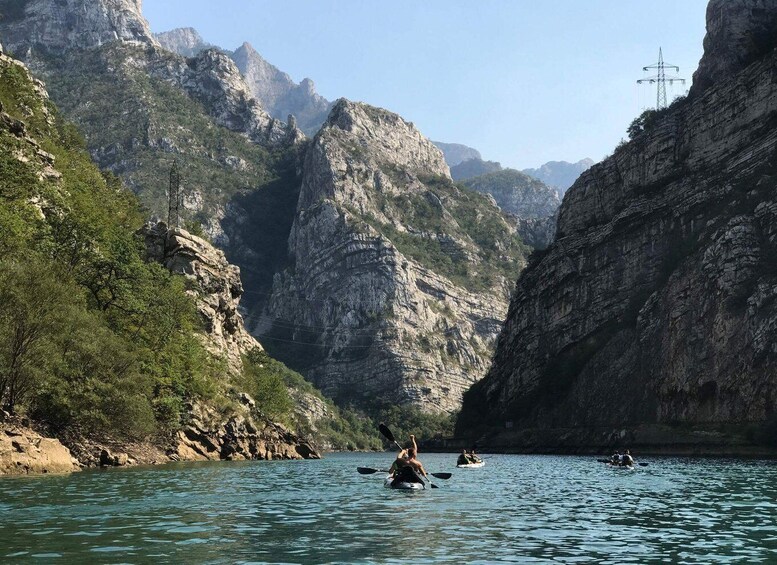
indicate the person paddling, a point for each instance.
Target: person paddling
{"x":463,"y":458}
{"x":406,"y":467}
{"x":627,"y":460}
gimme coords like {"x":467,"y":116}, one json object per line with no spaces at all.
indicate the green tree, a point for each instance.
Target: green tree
{"x":35,"y":307}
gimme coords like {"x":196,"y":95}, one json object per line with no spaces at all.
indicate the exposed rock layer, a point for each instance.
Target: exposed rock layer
{"x":652,"y":318}
{"x":378,"y":323}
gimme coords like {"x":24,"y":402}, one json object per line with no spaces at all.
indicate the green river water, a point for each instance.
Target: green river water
{"x":517,"y":509}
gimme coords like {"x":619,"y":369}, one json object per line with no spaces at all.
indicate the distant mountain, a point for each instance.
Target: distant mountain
{"x":185,"y":41}
{"x":560,"y":174}
{"x":474,"y":168}
{"x":517,"y":193}
{"x":532,"y":203}
{"x":279,"y":94}
{"x":456,"y":153}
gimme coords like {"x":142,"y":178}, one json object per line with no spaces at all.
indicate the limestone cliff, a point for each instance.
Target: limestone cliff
{"x":185,"y":41}
{"x":72,"y":24}
{"x":398,"y":277}
{"x":651,"y":320}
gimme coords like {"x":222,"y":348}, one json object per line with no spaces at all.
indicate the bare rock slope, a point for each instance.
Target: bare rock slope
{"x":395,"y":291}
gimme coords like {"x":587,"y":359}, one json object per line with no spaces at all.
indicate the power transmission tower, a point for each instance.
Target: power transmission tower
{"x":174,"y":197}
{"x":660,"y":79}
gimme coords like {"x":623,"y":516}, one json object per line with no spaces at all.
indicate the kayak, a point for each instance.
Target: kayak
{"x":624,"y":467}
{"x":389,"y":483}
{"x":472,"y":465}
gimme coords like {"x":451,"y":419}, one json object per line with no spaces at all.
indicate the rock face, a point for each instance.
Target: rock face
{"x":24,"y":451}
{"x":207,"y":437}
{"x":517,"y":193}
{"x":216,"y":288}
{"x":279,"y":94}
{"x":214,"y":283}
{"x":560,"y":174}
{"x":213,"y":79}
{"x":738,"y":33}
{"x":456,"y":153}
{"x":72,"y":24}
{"x":185,"y":41}
{"x":532,"y":203}
{"x":372,"y":319}
{"x":651,"y":320}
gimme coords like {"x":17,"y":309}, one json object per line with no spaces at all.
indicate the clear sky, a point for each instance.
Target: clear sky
{"x":522,"y":81}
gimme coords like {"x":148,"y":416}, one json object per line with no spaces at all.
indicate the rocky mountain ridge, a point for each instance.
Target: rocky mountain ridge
{"x":274,"y":89}
{"x":185,"y":41}
{"x":649,"y":321}
{"x":369,"y":294}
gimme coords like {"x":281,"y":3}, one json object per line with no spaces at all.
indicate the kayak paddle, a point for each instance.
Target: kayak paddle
{"x":371,"y":471}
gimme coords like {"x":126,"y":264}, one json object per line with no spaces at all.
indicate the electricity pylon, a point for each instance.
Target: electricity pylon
{"x":174,"y":197}
{"x":660,"y":79}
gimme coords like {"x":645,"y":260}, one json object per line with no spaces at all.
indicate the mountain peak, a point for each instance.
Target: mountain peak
{"x":185,"y":41}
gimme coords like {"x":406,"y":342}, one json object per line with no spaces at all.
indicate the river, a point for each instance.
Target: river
{"x":517,"y":509}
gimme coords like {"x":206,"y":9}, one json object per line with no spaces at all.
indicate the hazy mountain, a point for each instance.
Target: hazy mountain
{"x":474,"y":168}
{"x":560,"y":174}
{"x":456,"y":153}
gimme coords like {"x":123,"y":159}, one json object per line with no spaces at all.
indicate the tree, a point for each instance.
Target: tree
{"x":34,"y":308}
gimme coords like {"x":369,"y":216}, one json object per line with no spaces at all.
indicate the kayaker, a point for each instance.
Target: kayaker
{"x":616,"y":458}
{"x":474,"y":458}
{"x":402,"y":456}
{"x":414,"y":463}
{"x":627,"y":460}
{"x":463,"y":458}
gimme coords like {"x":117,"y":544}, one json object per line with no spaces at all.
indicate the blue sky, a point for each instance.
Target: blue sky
{"x":522,"y":81}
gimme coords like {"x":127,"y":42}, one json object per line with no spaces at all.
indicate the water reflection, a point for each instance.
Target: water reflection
{"x":522,"y":509}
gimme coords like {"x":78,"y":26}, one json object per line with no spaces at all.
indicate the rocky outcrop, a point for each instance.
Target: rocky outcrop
{"x":72,"y":24}
{"x":213,"y":282}
{"x":212,"y":78}
{"x":456,"y":153}
{"x":24,"y":451}
{"x":207,"y":437}
{"x":652,"y":317}
{"x":369,"y":309}
{"x":560,"y":174}
{"x":738,"y":33}
{"x":185,"y":41}
{"x":279,"y":94}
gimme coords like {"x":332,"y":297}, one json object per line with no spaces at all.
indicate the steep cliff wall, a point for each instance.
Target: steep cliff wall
{"x":72,"y":24}
{"x":652,"y":318}
{"x":398,"y":277}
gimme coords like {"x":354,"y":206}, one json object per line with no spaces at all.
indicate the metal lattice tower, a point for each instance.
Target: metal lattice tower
{"x":660,"y":79}
{"x":174,"y":197}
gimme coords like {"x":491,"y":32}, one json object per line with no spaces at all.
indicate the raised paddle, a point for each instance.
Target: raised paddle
{"x":389,"y":436}
{"x":372,"y":471}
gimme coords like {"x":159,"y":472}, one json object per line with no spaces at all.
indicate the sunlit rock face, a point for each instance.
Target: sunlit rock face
{"x":381,"y":321}
{"x":652,"y":318}
{"x":72,"y":24}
